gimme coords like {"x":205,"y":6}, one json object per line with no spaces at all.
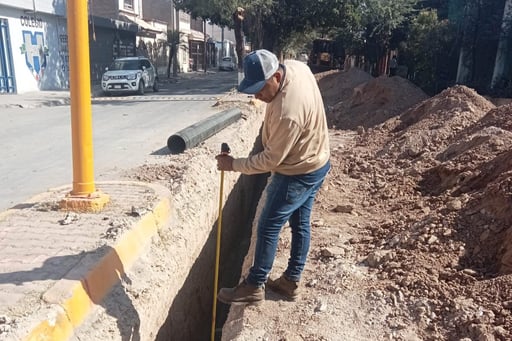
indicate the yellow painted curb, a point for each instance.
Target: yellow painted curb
{"x":97,"y":283}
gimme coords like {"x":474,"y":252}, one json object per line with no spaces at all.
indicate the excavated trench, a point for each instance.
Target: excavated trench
{"x":190,"y":315}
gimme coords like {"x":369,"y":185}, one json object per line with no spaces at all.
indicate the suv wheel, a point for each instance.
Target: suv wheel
{"x":140,"y":91}
{"x":155,"y":85}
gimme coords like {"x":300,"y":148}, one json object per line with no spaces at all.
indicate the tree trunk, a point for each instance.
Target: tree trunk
{"x":177,"y":39}
{"x":169,"y":62}
{"x":501,"y":68}
{"x":238,"y":18}
{"x":466,"y":67}
{"x":172,"y":54}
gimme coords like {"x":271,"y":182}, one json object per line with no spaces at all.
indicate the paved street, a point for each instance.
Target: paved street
{"x":127,"y":131}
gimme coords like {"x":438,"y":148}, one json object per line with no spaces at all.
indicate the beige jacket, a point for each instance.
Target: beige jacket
{"x":295,"y":136}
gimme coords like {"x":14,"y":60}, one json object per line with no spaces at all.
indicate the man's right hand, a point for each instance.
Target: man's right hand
{"x":224,"y":162}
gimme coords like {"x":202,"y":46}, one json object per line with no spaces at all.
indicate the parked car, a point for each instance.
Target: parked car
{"x":227,"y":63}
{"x":129,"y":74}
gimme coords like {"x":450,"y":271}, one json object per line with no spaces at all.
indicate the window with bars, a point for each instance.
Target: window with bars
{"x":128,"y":4}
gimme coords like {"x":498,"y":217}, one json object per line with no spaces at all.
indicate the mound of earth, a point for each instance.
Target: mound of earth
{"x":443,"y":179}
{"x":374,"y":102}
{"x":431,"y":125}
{"x":337,"y":86}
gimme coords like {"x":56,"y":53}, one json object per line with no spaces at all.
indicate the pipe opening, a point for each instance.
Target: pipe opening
{"x":176,"y":144}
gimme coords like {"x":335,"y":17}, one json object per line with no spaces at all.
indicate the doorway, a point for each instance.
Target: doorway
{"x":7,"y":83}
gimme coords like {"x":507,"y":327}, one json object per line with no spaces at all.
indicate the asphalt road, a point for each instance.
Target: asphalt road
{"x":36,"y":151}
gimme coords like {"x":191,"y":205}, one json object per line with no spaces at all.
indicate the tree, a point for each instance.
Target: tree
{"x":173,"y":40}
{"x":238,"y":18}
{"x":480,"y":32}
{"x":429,"y":52}
{"x":216,"y":11}
{"x":381,"y":19}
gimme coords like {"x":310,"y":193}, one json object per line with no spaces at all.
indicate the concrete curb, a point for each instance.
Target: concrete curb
{"x":83,"y":294}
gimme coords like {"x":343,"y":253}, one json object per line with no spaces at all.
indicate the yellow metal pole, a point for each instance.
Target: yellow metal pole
{"x":83,"y":196}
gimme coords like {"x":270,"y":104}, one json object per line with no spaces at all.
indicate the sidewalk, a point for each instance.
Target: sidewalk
{"x":38,"y":99}
{"x":54,"y":265}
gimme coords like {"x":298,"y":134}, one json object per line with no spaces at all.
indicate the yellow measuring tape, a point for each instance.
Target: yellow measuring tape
{"x":224,"y":150}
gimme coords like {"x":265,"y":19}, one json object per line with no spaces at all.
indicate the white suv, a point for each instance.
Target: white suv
{"x":129,"y":74}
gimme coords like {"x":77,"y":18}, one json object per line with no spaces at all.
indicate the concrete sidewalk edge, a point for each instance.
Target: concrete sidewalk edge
{"x":85,"y":293}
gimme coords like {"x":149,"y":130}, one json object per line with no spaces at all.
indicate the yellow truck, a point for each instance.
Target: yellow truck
{"x":326,"y":54}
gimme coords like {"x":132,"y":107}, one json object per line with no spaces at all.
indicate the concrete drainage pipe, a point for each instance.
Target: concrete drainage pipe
{"x":200,"y":131}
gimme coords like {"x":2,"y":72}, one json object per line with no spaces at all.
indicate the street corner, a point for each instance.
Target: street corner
{"x":33,"y":100}
{"x":81,"y":255}
{"x":43,"y":98}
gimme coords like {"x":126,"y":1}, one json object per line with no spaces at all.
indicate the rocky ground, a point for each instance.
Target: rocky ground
{"x":412,"y":234}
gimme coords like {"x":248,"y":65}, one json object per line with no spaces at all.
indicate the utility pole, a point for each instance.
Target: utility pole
{"x":205,"y":44}
{"x":222,"y":53}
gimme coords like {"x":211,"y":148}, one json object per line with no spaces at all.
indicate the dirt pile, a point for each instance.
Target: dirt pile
{"x":370,"y":101}
{"x":439,"y":176}
{"x":338,"y":86}
{"x":429,"y":127}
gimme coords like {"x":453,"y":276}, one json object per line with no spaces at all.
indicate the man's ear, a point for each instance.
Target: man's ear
{"x":278,"y":76}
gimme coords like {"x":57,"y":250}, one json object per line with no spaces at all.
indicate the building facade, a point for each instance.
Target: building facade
{"x":33,"y":46}
{"x":34,"y":42}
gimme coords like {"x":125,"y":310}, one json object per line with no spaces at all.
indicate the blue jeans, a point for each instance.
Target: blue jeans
{"x":289,"y":198}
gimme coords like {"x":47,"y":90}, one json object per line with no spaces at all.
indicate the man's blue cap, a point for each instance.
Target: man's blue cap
{"x":259,"y":66}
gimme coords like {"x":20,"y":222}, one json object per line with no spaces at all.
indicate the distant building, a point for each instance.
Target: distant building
{"x":34,"y":42}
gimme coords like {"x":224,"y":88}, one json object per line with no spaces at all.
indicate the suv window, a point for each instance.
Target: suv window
{"x":124,"y":65}
{"x":146,"y":64}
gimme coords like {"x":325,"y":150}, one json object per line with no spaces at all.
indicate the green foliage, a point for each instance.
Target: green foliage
{"x":276,"y":24}
{"x":427,"y":33}
{"x":381,"y":18}
{"x":429,"y":50}
{"x":217,"y":11}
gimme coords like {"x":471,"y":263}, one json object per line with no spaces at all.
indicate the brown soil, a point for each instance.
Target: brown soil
{"x":412,"y":234}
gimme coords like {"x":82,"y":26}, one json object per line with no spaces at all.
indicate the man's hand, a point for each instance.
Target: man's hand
{"x":224,"y":162}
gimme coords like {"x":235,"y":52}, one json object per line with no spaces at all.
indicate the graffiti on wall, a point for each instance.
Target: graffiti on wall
{"x":33,"y":46}
{"x":64,"y":52}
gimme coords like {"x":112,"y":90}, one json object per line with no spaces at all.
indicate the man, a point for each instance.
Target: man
{"x":393,"y":66}
{"x":296,"y":150}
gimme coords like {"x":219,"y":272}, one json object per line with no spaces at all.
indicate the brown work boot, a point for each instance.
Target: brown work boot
{"x":243,"y":293}
{"x":285,"y":287}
